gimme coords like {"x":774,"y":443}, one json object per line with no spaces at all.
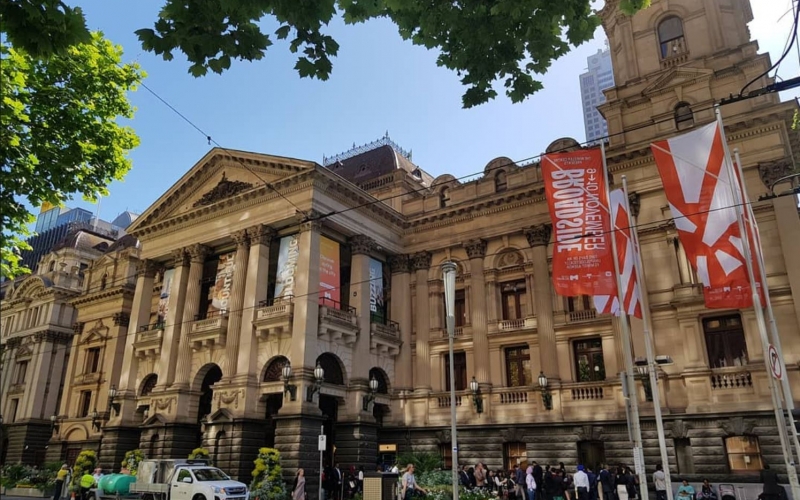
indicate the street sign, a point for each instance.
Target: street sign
{"x":637,"y":460}
{"x":322,"y":443}
{"x":775,"y":365}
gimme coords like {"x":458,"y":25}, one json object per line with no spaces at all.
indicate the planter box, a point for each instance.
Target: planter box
{"x":26,"y":492}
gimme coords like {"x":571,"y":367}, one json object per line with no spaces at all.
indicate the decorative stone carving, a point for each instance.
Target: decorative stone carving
{"x":635,"y":202}
{"x":198,"y":252}
{"x":164,"y":403}
{"x":738,"y":426}
{"x":476,"y":249}
{"x":148,"y":268}
{"x":121,"y":319}
{"x":443,"y":437}
{"x":241,"y":238}
{"x":510,"y":258}
{"x":23,"y":352}
{"x":77,"y":328}
{"x":421,"y":260}
{"x":224,"y":189}
{"x":261,"y":234}
{"x":774,"y":170}
{"x":399,"y":264}
{"x":680,"y":429}
{"x":361,"y":245}
{"x":513,"y":435}
{"x":589,"y":433}
{"x":538,"y":235}
{"x":179,"y":258}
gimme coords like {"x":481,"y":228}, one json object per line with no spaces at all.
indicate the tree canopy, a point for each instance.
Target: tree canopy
{"x":483,"y":41}
{"x":58,"y":130}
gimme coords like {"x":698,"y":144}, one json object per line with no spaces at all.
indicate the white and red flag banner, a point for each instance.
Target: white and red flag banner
{"x":578,"y":201}
{"x":697,"y":186}
{"x":626,"y":256}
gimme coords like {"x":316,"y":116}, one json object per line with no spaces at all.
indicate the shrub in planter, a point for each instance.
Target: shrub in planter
{"x":86,"y":462}
{"x":132,"y":460}
{"x":267,"y":482}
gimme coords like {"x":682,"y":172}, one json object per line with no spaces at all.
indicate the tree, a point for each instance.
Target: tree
{"x":484,"y":41}
{"x":58,"y":131}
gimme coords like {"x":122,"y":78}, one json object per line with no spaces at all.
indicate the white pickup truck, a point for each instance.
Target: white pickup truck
{"x":185,"y":480}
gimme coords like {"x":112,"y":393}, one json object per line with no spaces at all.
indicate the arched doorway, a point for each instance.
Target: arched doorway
{"x":329,"y":405}
{"x":213,"y":374}
{"x":274,"y":402}
{"x":379,"y":411}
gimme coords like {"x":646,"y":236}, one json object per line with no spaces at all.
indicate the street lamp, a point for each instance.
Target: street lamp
{"x":547,"y":398}
{"x":112,"y":395}
{"x":370,"y":397}
{"x":319,"y":377}
{"x":641,"y":368}
{"x":286,"y":374}
{"x":449,"y":269}
{"x":53,"y":424}
{"x":477,"y":398}
{"x":95,"y":421}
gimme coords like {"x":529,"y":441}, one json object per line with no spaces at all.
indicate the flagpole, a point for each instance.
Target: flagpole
{"x":628,"y":346}
{"x":788,"y":399}
{"x":648,"y":342}
{"x":780,"y":420}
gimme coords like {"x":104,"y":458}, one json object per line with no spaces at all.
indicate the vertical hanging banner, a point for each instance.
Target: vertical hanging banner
{"x":693,"y":167}
{"x":163,"y":300}
{"x":329,"y":280}
{"x":578,"y":201}
{"x":376,"y":303}
{"x":288,"y":253}
{"x":626,"y":256}
{"x":221,"y":293}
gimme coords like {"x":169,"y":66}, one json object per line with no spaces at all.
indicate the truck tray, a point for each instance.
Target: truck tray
{"x":138,"y":487}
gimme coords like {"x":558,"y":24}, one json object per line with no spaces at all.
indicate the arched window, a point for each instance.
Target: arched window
{"x":444,"y":197}
{"x":684,"y":118}
{"x":52,"y":266}
{"x":670,"y":37}
{"x":500,"y":183}
{"x":149,"y":384}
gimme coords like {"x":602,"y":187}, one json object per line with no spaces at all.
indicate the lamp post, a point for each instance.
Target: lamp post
{"x":53,"y":424}
{"x":644,"y":373}
{"x":449,"y":277}
{"x":112,"y":396}
{"x":286,"y":375}
{"x":373,"y":389}
{"x":319,"y":377}
{"x":547,"y":398}
{"x":477,"y":398}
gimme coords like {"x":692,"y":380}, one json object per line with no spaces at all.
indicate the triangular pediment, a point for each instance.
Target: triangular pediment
{"x":98,"y":333}
{"x":220,"y":176}
{"x":677,"y":77}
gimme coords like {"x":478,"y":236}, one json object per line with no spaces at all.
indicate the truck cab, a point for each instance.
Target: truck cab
{"x":185,"y":480}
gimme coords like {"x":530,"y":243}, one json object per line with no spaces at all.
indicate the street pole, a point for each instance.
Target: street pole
{"x":449,"y":278}
{"x":627,"y":353}
{"x":321,"y":433}
{"x":648,"y":344}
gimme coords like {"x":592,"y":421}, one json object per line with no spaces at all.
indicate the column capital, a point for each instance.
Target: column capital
{"x":261,"y":234}
{"x":538,"y":235}
{"x":312,"y":225}
{"x":421,"y":261}
{"x":635,"y":202}
{"x":148,"y":268}
{"x":361,"y":245}
{"x":476,"y":249}
{"x":179,"y":258}
{"x":399,"y":264}
{"x":198,"y":252}
{"x":241,"y":237}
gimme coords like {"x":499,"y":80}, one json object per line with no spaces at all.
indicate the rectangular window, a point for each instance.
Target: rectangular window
{"x":683,"y":455}
{"x":459,"y":369}
{"x":459,"y":312}
{"x":22,"y":372}
{"x":589,"y":363}
{"x":515,"y":453}
{"x":13,"y":409}
{"x":514,"y":300}
{"x":744,"y":453}
{"x":92,"y":360}
{"x":725,"y":341}
{"x":446,"y":452}
{"x":582,"y":303}
{"x":84,"y":403}
{"x":518,"y":366}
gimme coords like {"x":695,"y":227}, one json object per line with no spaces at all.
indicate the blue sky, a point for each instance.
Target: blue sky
{"x":379,"y":83}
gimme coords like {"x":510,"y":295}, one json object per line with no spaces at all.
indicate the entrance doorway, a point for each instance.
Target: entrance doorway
{"x":329,"y":405}
{"x":591,"y":454}
{"x":212,"y":376}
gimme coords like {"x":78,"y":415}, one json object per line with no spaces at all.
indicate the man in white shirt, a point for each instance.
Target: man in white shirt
{"x":660,"y":481}
{"x":581,"y":483}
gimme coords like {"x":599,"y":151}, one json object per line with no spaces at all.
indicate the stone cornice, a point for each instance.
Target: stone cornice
{"x":122,"y":291}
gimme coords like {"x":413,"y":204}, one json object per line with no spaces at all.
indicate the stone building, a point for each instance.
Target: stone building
{"x":37,"y":321}
{"x":253,"y":262}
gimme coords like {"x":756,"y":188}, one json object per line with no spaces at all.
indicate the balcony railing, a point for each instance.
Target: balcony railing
{"x":444,"y":401}
{"x":148,"y":340}
{"x":274,"y":317}
{"x":511,"y":324}
{"x":739,"y":379}
{"x":87,"y":378}
{"x":385,"y":338}
{"x":152,"y":327}
{"x":209,"y":332}
{"x":389,"y":328}
{"x":588,"y":392}
{"x":513,"y":398}
{"x":338,"y":322}
{"x":585,"y":315}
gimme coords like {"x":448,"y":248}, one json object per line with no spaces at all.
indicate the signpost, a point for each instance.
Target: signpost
{"x":322,"y":444}
{"x":775,"y":363}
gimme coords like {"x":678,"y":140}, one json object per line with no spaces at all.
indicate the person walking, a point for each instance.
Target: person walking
{"x":410,"y":483}
{"x":606,"y":484}
{"x":660,"y":482}
{"x":480,"y":476}
{"x":519,"y":482}
{"x":299,"y":487}
{"x":530,"y":483}
{"x":61,"y":476}
{"x":538,"y":476}
{"x":769,"y":478}
{"x":581,"y":483}
{"x":86,"y":482}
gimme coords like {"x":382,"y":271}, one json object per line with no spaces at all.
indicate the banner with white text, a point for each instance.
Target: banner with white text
{"x":221,"y":291}
{"x":377,"y":310}
{"x":329,"y":273}
{"x":578,"y":201}
{"x":288,"y":253}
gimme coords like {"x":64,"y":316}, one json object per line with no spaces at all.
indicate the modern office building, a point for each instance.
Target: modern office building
{"x":598,"y":77}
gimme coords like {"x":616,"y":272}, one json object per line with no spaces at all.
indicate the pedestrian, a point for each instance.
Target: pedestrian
{"x":621,"y":483}
{"x":769,"y":478}
{"x":86,"y":482}
{"x":410,"y":483}
{"x":519,"y":482}
{"x":660,"y":482}
{"x":480,"y":476}
{"x":592,"y":484}
{"x":299,"y":487}
{"x":582,"y":483}
{"x":707,"y":491}
{"x":530,"y":483}
{"x":61,"y":476}
{"x":606,"y":484}
{"x":538,"y":476}
{"x":686,"y":491}
{"x":361,"y":479}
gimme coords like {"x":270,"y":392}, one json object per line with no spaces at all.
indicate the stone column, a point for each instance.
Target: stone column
{"x":538,"y":239}
{"x":422,"y":262}
{"x":198,"y":254}
{"x":490,"y":280}
{"x":401,"y":312}
{"x":174,"y":320}
{"x":360,"y":248}
{"x":476,"y":251}
{"x":255,"y":290}
{"x":140,"y":316}
{"x":235,"y":302}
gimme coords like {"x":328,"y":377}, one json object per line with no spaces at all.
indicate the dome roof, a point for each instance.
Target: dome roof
{"x":124,"y":219}
{"x":84,"y":240}
{"x":375,"y":163}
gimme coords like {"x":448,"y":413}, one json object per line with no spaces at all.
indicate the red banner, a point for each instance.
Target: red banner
{"x":577,"y":196}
